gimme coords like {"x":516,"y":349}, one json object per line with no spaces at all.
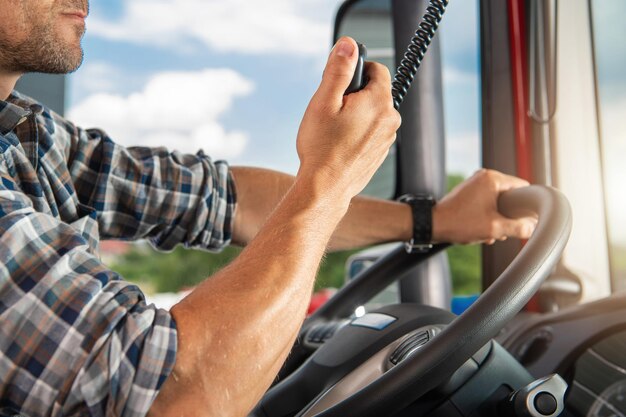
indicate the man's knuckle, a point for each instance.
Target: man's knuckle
{"x":525,"y":229}
{"x":320,"y":108}
{"x":481,"y":172}
{"x":490,"y":174}
{"x":379,"y":73}
{"x":397,"y":118}
{"x":379,"y":68}
{"x":493,"y":229}
{"x":385,"y":73}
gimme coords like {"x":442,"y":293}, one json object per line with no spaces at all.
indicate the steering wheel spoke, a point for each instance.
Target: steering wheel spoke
{"x":372,"y":369}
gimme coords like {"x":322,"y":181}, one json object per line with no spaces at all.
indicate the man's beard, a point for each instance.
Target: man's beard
{"x":41,"y":52}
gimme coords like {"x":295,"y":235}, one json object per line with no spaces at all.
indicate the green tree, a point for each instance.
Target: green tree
{"x":182,"y":268}
{"x":465,"y":260}
{"x":170,"y":272}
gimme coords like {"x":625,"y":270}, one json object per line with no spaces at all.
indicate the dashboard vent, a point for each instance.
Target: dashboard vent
{"x":409,"y":345}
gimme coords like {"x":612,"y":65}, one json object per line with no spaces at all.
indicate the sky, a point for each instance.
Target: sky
{"x":234,"y":77}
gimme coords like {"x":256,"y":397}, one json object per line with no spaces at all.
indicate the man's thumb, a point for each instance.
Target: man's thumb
{"x":339,"y":71}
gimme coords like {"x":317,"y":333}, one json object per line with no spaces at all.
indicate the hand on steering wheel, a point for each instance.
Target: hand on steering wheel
{"x":458,"y":341}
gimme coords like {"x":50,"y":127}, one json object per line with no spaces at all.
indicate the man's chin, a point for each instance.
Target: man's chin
{"x":76,"y":65}
{"x":64,"y":58}
{"x":68,"y":67}
{"x":68,"y":53}
{"x":57,"y":62}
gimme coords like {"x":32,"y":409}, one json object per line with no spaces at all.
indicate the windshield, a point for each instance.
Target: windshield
{"x":241,"y":98}
{"x":610,"y":54}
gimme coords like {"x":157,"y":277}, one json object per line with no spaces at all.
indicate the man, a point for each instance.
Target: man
{"x":75,"y":339}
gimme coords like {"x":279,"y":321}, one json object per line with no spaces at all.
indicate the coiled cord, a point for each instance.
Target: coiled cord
{"x":416,"y":50}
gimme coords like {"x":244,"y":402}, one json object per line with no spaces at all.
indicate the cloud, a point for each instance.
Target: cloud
{"x":242,"y":26}
{"x":179,"y":110}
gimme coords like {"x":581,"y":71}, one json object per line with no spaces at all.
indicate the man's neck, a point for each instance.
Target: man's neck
{"x":7,"y":83}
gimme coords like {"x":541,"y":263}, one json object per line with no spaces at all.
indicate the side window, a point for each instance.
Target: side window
{"x":461,"y":88}
{"x":609,"y":35}
{"x":370,"y":24}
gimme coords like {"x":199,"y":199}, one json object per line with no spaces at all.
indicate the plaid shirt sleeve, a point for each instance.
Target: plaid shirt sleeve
{"x":138,"y":192}
{"x":74,"y":338}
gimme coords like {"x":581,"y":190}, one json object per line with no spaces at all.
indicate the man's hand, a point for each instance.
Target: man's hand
{"x":469,"y":214}
{"x":344,"y":139}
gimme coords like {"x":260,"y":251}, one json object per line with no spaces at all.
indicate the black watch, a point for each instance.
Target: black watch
{"x":422,"y":209}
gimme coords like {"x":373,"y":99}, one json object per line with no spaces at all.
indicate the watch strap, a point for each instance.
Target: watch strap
{"x":422,"y":210}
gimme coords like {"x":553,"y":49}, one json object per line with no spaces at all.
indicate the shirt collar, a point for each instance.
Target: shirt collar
{"x":15,"y":110}
{"x":11,"y":115}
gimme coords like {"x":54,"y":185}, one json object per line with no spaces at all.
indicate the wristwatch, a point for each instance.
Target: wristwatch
{"x":422,"y":209}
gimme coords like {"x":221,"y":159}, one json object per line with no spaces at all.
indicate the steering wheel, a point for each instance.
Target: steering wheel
{"x":454,"y":343}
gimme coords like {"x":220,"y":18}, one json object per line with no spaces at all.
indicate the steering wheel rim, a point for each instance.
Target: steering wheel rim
{"x":438,"y":359}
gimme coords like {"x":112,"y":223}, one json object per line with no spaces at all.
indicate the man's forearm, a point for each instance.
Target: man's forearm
{"x":251,"y":309}
{"x":469,"y":214}
{"x":368,"y":220}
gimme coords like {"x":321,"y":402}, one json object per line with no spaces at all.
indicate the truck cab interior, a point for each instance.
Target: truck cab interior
{"x":545,"y":100}
{"x":534,"y":328}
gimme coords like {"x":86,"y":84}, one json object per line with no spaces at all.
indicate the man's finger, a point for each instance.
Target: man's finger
{"x":508,"y":182}
{"x":339,"y":72}
{"x":521,"y":228}
{"x":379,"y":81}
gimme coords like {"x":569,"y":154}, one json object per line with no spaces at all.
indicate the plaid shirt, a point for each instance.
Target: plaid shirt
{"x":76,"y":339}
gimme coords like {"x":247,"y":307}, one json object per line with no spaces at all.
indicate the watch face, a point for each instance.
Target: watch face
{"x":611,"y":403}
